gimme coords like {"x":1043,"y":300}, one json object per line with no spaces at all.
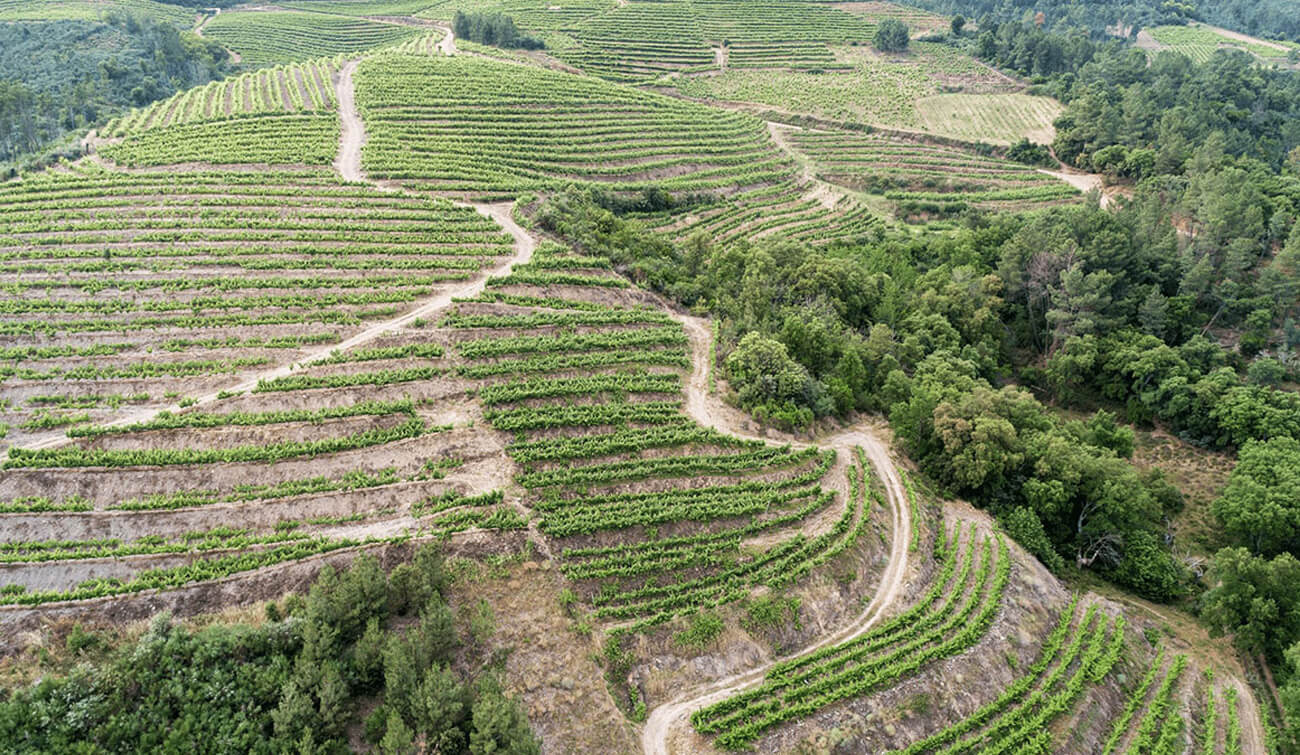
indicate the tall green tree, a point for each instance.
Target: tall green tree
{"x":1255,"y":600}
{"x":1261,"y":503}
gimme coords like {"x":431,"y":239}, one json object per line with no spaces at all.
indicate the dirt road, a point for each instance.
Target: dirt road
{"x":353,"y":134}
{"x":1084,"y":182}
{"x":666,"y":720}
{"x":203,"y":21}
{"x":1252,"y":731}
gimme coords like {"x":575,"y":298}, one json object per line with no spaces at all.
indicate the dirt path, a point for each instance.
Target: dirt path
{"x":353,"y":133}
{"x":203,"y":21}
{"x":778,"y":133}
{"x":1252,"y":731}
{"x":1246,"y":38}
{"x":523,"y":251}
{"x":828,"y":194}
{"x":411,"y":21}
{"x":1084,"y":182}
{"x":448,"y":43}
{"x":708,"y":410}
{"x":720,"y":55}
{"x":198,"y":32}
{"x":1225,"y":663}
{"x":1147,"y":42}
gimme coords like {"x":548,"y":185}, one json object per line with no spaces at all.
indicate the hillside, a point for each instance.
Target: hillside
{"x":706,"y":380}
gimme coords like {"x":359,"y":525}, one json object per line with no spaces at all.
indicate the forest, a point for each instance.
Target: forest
{"x":1271,"y":19}
{"x":495,"y":29}
{"x":58,"y":78}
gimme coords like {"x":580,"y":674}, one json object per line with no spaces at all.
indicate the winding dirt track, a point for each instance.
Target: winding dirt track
{"x":1252,"y":730}
{"x":666,"y":719}
{"x":198,"y":32}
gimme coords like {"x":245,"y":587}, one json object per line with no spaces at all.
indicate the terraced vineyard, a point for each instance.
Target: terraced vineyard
{"x":294,"y":88}
{"x":768,"y":21}
{"x":533,"y":15}
{"x":166,"y":290}
{"x":588,"y":379}
{"x":228,"y":272}
{"x":927,"y":180}
{"x":949,"y":619}
{"x":1079,"y":653}
{"x":215,"y":380}
{"x":424,"y":45}
{"x":916,"y":19}
{"x":780,"y":55}
{"x":782,"y":209}
{"x":473,"y":125}
{"x":901,"y":92}
{"x":362,"y":7}
{"x":269,"y":37}
{"x":92,"y":10}
{"x":639,"y":41}
{"x":1148,"y":724}
{"x":1199,"y":42}
{"x":287,"y":139}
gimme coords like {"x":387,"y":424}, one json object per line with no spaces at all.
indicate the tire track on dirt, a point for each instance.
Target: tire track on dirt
{"x":353,"y":132}
{"x":707,"y":410}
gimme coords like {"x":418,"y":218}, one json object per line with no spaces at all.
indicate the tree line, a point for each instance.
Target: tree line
{"x":492,"y":28}
{"x":1273,"y":19}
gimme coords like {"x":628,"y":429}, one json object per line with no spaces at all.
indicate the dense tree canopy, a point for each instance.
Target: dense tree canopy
{"x":1274,"y":19}
{"x":891,"y":36}
{"x":1255,"y":599}
{"x":60,"y":76}
{"x":1261,"y":504}
{"x":492,"y":28}
{"x":291,"y":684}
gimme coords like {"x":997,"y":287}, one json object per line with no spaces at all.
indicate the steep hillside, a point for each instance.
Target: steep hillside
{"x":316,"y":316}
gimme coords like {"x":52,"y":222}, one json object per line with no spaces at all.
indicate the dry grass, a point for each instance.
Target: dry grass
{"x":1201,"y":476}
{"x":995,"y":118}
{"x":549,"y":665}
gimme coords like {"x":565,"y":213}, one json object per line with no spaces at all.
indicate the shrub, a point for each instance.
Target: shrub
{"x":891,"y":36}
{"x":704,"y":629}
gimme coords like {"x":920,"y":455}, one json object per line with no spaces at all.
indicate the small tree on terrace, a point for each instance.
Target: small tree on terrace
{"x":891,"y":36}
